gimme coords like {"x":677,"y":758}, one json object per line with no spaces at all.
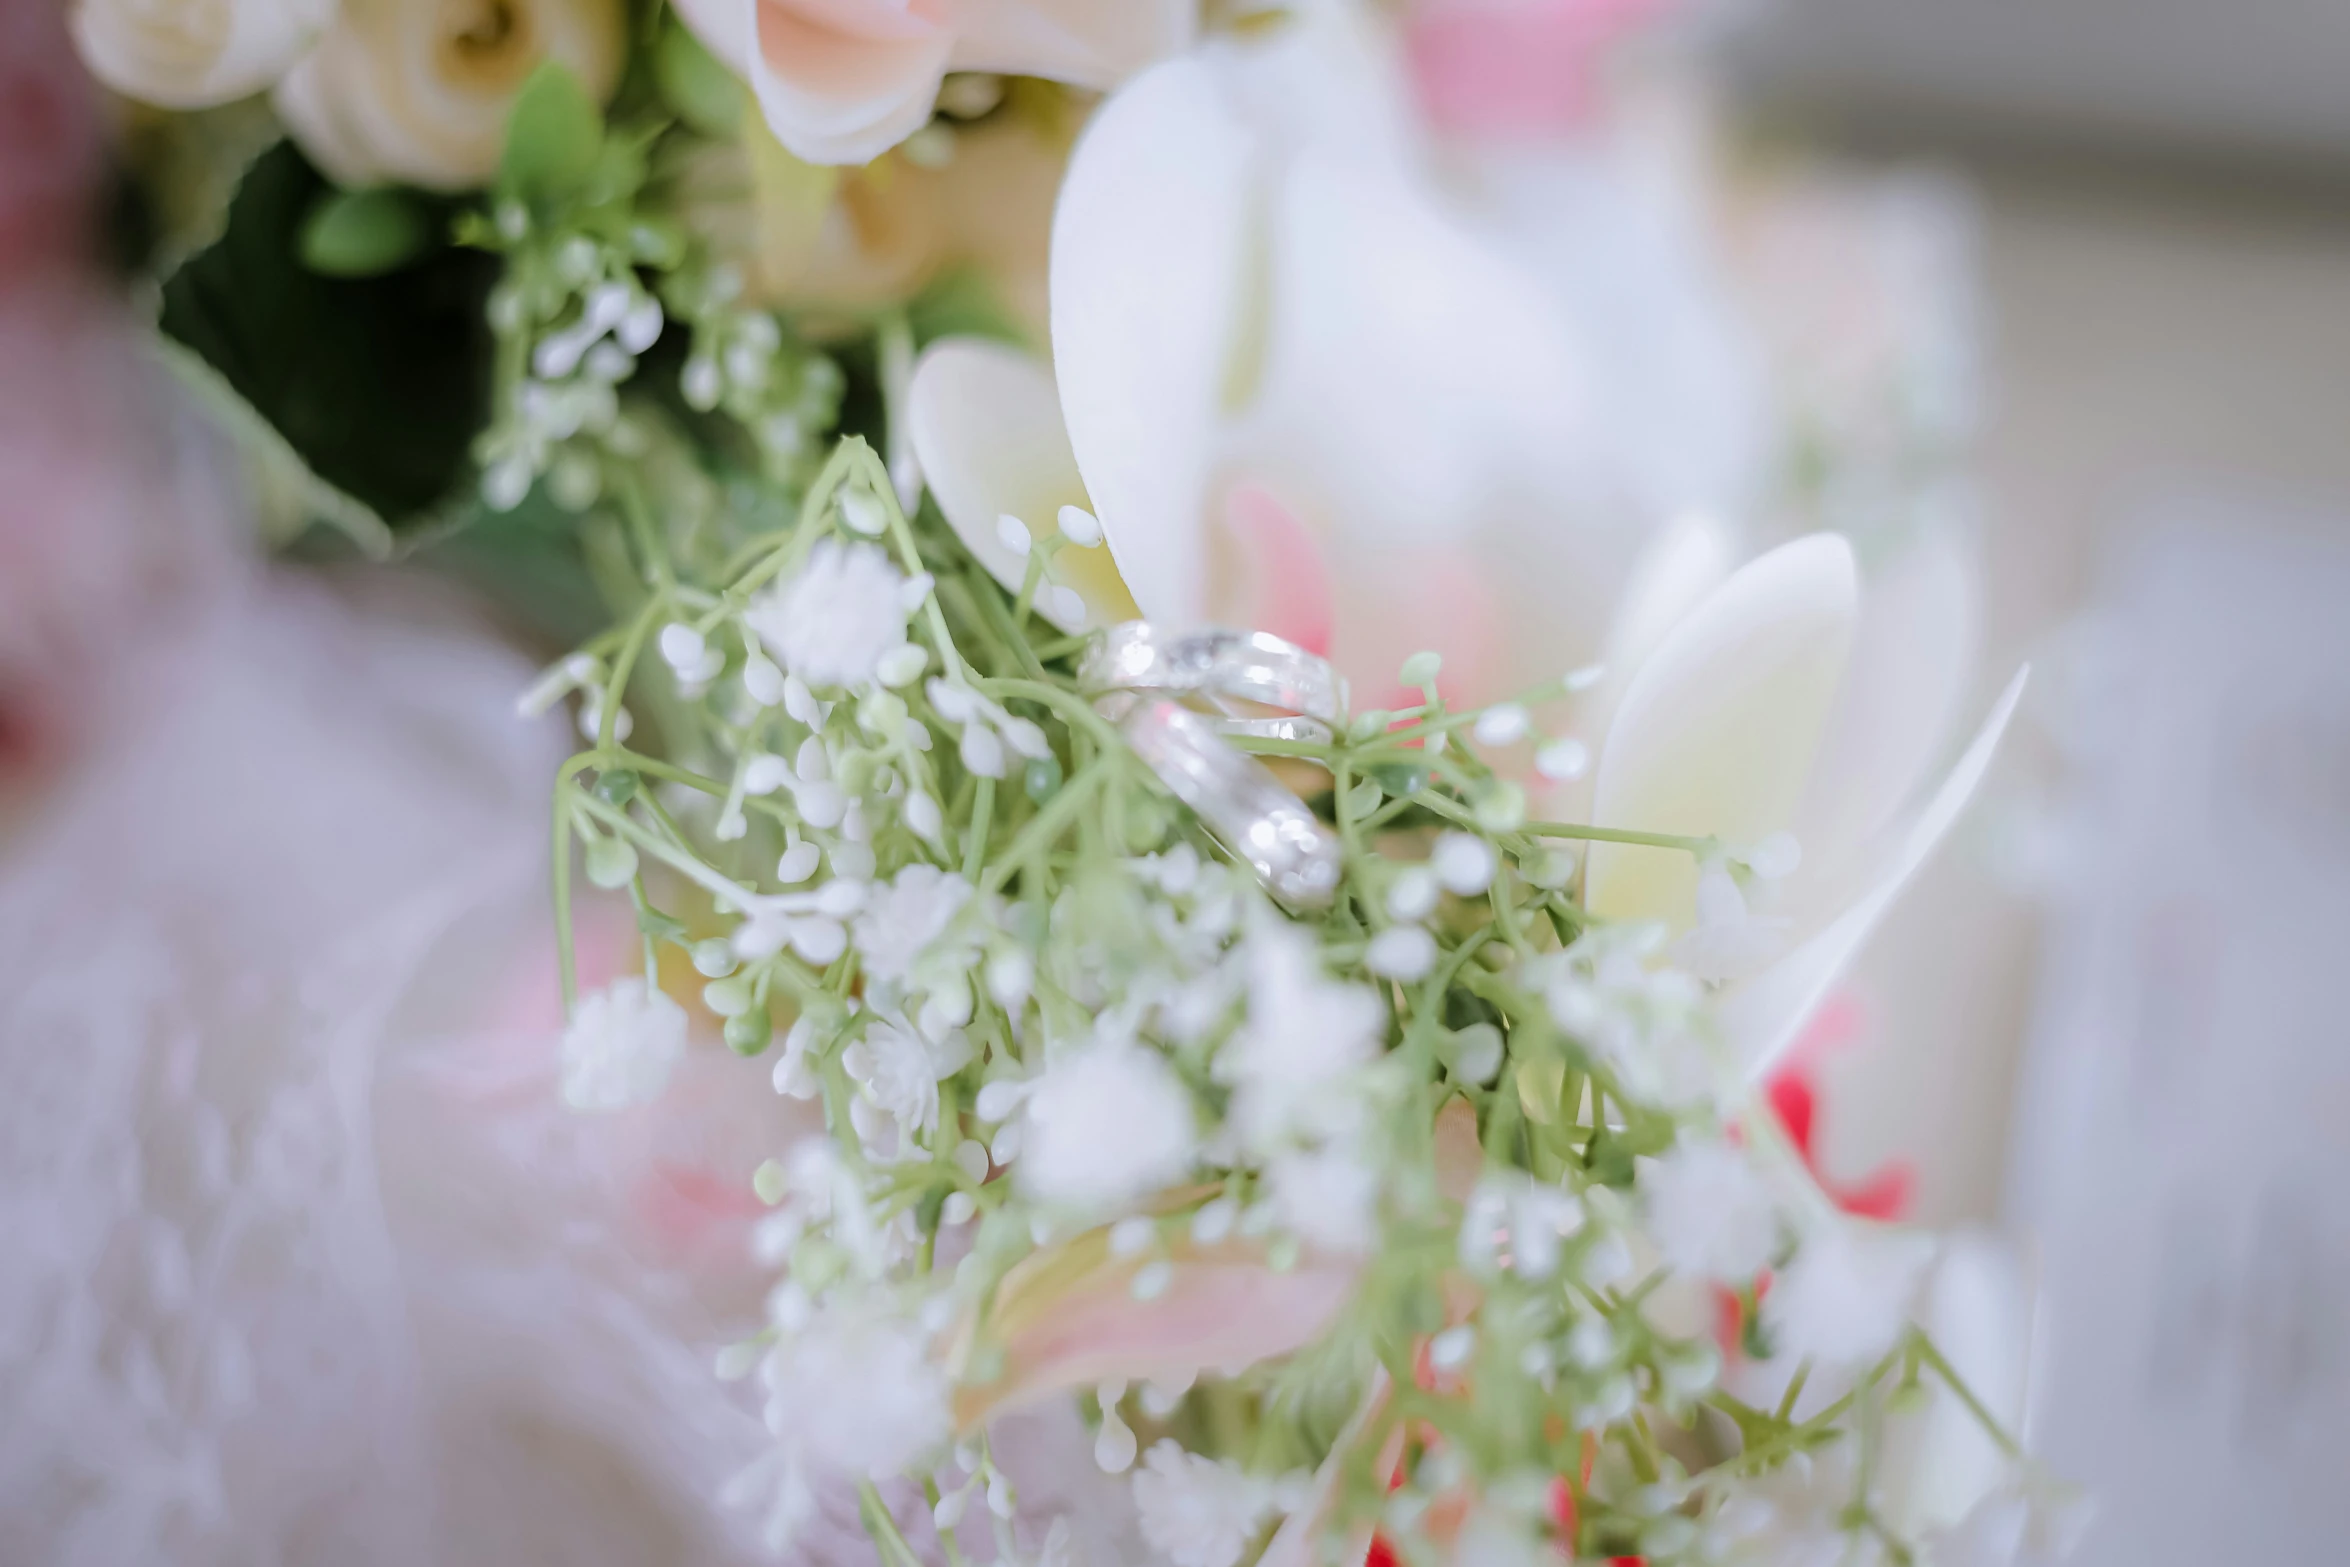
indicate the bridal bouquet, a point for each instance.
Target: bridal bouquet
{"x":1263,"y":979}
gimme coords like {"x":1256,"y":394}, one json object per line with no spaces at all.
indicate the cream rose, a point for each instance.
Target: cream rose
{"x":843,"y":81}
{"x":187,"y":54}
{"x":417,"y":91}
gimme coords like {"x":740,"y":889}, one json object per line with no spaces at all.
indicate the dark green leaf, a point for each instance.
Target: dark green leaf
{"x":552,"y":137}
{"x":378,"y":385}
{"x":364,"y":233}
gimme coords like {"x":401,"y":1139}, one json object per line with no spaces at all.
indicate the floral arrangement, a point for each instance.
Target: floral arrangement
{"x":1351,"y":1106}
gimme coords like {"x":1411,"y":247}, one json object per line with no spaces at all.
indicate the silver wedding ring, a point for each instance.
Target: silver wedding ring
{"x":1252,"y":685}
{"x":1258,"y":684}
{"x":1241,"y":803}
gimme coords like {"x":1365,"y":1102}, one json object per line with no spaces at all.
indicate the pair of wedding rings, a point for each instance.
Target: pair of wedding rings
{"x":1179,"y":699}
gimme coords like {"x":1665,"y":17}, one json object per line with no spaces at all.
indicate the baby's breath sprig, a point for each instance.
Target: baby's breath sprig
{"x":1467,"y":1161}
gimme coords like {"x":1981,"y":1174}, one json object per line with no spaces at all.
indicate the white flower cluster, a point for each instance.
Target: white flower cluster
{"x":1646,"y":1022}
{"x":1060,"y":1048}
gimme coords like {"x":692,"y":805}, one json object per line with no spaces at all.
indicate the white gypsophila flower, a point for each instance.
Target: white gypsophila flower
{"x":1328,"y":1198}
{"x":1646,"y":1023}
{"x":904,"y":917}
{"x":1729,"y":941}
{"x":1847,"y":1294}
{"x":1197,"y":1512}
{"x":1105,"y":1125}
{"x":1304,"y":1033}
{"x":621,"y":1045}
{"x":1709,"y":1212}
{"x":899,"y":1072}
{"x":836,"y":617}
{"x":857,"y":1393}
{"x":1516,"y":1221}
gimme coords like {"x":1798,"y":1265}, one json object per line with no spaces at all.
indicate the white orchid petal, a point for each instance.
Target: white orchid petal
{"x":1083,"y":42}
{"x":1147,"y":241}
{"x":1912,"y":654}
{"x":986,"y":426}
{"x":1672,"y":575}
{"x":1761,"y":1016}
{"x":1718,"y":731}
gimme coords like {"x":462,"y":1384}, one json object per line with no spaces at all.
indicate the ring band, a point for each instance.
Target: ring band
{"x":1219,"y":665}
{"x":1240,"y":802}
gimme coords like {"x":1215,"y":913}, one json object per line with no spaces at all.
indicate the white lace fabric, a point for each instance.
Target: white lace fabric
{"x":246,"y":1316}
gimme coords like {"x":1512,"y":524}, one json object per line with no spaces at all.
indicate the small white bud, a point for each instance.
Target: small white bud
{"x":1412,"y":896}
{"x":982,"y":752}
{"x":1562,"y":760}
{"x":1463,"y":862}
{"x":1009,"y":977}
{"x":797,"y":864}
{"x":713,"y":959}
{"x":958,"y":1208}
{"x":1502,"y":725}
{"x":1585,"y":678}
{"x":1068,"y":604}
{"x":1013,"y":534}
{"x":1404,"y":952}
{"x":971,"y":1158}
{"x":922,"y":815}
{"x":1450,"y":1350}
{"x":1114,"y":1446}
{"x":761,"y":679}
{"x":1214,"y":1221}
{"x":640,"y":328}
{"x":901,"y":665}
{"x":702,"y":383}
{"x":863,"y":513}
{"x":1133,"y":1235}
{"x":801,"y":702}
{"x":820,"y":941}
{"x":954,"y":703}
{"x":1421,"y":669}
{"x":822,"y":804}
{"x":1080,"y":527}
{"x":764,"y":774}
{"x":1027,"y":739}
{"x":949,"y":1511}
{"x":1152,"y":1281}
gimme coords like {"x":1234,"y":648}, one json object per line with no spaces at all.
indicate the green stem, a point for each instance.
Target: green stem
{"x":1047,"y":825}
{"x":1651,"y":840}
{"x":1991,"y":1423}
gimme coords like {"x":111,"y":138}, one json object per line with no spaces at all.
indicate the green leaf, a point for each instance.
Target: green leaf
{"x":364,"y":233}
{"x":553,"y":136}
{"x":701,"y":92}
{"x":375,"y":386}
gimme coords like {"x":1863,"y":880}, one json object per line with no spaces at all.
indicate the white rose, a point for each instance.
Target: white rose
{"x":843,"y":81}
{"x":187,"y":54}
{"x":417,"y":91}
